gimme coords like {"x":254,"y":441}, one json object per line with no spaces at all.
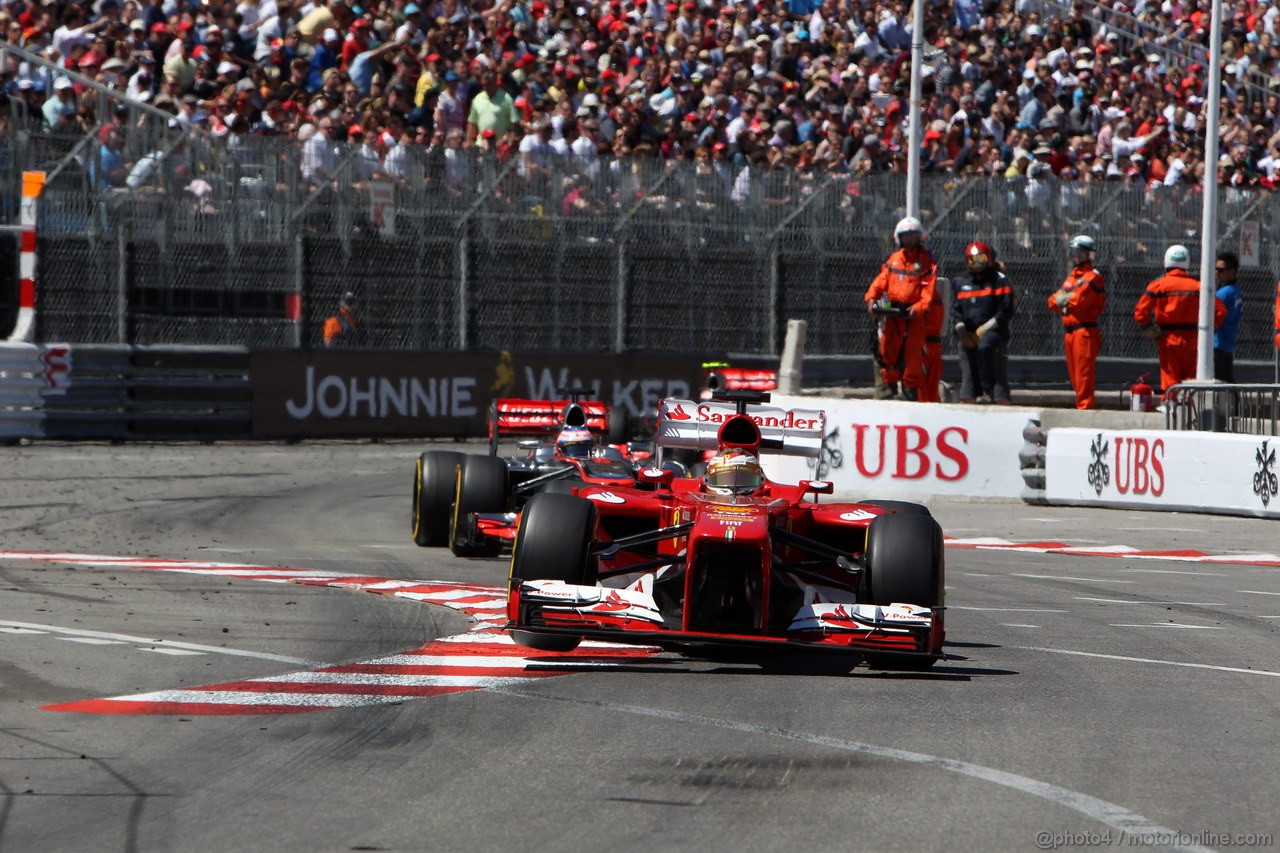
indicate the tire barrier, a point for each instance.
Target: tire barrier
{"x":1031,"y":461}
{"x":22,"y":383}
{"x":61,"y":391}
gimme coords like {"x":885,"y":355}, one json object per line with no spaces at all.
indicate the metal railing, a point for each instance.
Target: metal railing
{"x":1175,"y":51}
{"x":223,"y":239}
{"x":469,"y":252}
{"x":1246,"y":409}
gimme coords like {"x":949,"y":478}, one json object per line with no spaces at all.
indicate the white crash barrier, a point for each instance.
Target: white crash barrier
{"x":912,"y":451}
{"x":1164,"y":470}
{"x":22,"y":386}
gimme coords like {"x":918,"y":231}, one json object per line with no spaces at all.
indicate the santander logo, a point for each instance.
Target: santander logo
{"x":679,"y":414}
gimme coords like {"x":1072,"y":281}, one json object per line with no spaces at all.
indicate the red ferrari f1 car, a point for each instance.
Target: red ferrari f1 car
{"x":730,"y":564}
{"x":471,"y":502}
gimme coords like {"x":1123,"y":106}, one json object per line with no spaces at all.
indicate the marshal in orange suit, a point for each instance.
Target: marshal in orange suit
{"x":1169,"y":312}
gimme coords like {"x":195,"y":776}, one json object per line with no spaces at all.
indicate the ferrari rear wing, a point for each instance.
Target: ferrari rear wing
{"x":511,"y":416}
{"x":695,"y":425}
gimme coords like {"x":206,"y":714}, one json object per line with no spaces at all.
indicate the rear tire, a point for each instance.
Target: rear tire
{"x":433,"y":485}
{"x":554,"y":543}
{"x":481,"y":487}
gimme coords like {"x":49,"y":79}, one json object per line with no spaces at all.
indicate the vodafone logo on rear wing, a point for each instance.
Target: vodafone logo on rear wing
{"x":791,"y":432}
{"x":743,"y":379}
{"x":515,"y":416}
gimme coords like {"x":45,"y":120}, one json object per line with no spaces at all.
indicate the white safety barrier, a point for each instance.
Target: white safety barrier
{"x":912,"y":451}
{"x":22,"y":385}
{"x":1165,"y":470}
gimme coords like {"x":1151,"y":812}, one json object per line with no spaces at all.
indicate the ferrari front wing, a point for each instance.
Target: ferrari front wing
{"x":632,"y":615}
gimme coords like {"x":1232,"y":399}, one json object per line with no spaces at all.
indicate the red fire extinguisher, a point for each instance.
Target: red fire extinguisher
{"x":1142,"y":396}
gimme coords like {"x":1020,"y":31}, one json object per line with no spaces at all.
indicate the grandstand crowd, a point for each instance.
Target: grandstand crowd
{"x":817,"y":85}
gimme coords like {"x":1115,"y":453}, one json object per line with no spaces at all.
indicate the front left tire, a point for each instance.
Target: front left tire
{"x":433,"y":486}
{"x":481,"y":487}
{"x":554,"y":543}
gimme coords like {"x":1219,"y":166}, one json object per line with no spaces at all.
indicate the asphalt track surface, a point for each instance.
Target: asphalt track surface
{"x":1085,"y":696}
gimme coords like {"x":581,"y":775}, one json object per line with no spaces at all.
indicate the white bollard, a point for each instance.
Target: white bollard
{"x":792,"y":357}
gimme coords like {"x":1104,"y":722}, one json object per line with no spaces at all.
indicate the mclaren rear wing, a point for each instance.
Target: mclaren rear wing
{"x":695,"y":425}
{"x":510,"y":416}
{"x":722,"y":377}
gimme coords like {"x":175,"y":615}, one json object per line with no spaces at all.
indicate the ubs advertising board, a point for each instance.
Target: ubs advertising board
{"x":879,"y":449}
{"x":1155,"y":469}
{"x":345,"y":394}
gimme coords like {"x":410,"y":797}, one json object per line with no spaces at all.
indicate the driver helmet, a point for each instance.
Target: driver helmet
{"x":735,"y":473}
{"x":978,"y":257}
{"x":908,"y":225}
{"x":575,"y":442}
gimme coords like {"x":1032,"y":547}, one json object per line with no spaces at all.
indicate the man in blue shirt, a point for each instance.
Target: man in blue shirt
{"x":111,"y":168}
{"x":1226,"y":269}
{"x":1034,"y":111}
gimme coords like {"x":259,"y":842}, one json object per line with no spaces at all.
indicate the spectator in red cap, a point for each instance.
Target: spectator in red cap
{"x":356,"y":42}
{"x":689,"y":24}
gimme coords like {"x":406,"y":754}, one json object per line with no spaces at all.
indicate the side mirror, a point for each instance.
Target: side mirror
{"x":656,"y":476}
{"x":818,"y":487}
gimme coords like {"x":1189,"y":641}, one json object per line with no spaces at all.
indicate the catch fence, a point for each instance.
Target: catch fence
{"x":236,"y":241}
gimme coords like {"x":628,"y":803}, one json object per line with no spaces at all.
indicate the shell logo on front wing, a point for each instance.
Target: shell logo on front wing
{"x":857,"y":515}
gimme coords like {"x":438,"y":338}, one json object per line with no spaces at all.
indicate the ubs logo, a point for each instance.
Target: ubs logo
{"x":1264,"y":480}
{"x":1099,"y":471}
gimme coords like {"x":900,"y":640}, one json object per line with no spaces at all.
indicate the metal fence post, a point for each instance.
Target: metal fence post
{"x":773,"y":242}
{"x":464,"y":280}
{"x":417,"y":335}
{"x":620,"y":296}
{"x":771,"y":297}
{"x":299,"y":284}
{"x":464,"y":253}
{"x":122,"y":284}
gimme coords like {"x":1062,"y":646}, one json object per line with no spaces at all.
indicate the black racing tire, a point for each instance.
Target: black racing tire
{"x":562,"y":487}
{"x":481,"y":487}
{"x":900,"y":507}
{"x":904,"y":561}
{"x":433,"y":485}
{"x":554,"y":543}
{"x":554,"y":540}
